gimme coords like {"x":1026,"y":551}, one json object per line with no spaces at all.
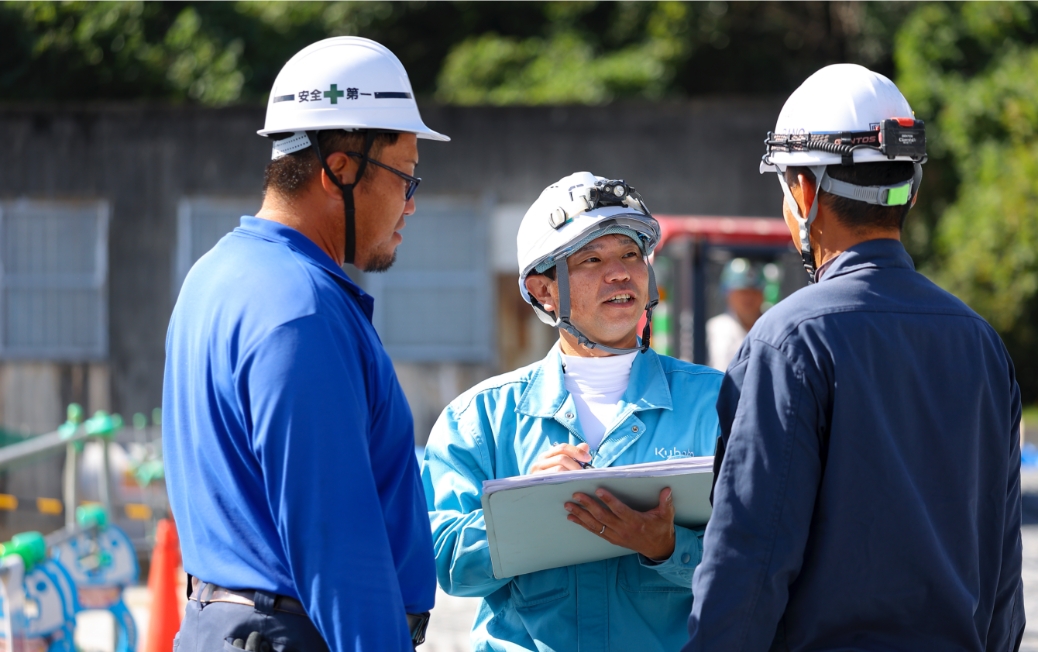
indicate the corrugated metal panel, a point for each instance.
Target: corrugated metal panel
{"x":436,"y":304}
{"x":201,"y":222}
{"x":53,"y":280}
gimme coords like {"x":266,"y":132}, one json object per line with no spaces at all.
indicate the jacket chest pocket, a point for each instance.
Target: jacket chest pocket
{"x":635,"y":578}
{"x":540,"y":588}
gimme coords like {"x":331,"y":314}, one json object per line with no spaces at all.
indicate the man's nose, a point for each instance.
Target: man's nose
{"x":409,"y":207}
{"x":617,"y":271}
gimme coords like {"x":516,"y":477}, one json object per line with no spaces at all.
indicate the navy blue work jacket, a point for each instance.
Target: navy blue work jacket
{"x":869,"y":494}
{"x":289,"y":444}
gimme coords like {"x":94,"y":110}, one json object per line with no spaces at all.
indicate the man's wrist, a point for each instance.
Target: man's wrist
{"x":660,"y":555}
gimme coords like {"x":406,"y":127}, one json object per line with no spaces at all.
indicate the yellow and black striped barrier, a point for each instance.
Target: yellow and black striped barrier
{"x":55,"y":507}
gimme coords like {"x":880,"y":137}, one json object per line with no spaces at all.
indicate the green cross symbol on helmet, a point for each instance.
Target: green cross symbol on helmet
{"x":334,"y":93}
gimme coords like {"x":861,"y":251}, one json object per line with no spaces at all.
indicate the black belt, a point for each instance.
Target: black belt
{"x":205,"y":593}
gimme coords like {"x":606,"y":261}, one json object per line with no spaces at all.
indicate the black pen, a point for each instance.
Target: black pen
{"x":584,"y":465}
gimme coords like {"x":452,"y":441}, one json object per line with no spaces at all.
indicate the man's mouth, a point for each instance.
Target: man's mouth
{"x":621,"y":298}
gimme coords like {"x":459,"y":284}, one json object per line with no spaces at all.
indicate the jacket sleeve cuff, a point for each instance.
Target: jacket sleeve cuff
{"x":688,"y":551}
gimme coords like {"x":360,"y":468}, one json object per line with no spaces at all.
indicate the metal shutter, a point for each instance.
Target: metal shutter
{"x":436,"y":304}
{"x":53,"y":280}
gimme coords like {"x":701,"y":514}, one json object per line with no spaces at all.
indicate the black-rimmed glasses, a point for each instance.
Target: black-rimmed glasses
{"x":411,"y":181}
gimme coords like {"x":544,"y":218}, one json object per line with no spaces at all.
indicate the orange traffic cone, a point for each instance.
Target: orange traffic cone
{"x":164,"y":622}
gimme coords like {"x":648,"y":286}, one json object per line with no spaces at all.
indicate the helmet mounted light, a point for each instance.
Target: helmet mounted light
{"x":895,"y":138}
{"x":613,"y":192}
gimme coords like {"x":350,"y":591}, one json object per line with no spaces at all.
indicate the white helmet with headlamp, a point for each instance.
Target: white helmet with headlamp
{"x":345,"y":82}
{"x":569,"y":214}
{"x":845,"y":114}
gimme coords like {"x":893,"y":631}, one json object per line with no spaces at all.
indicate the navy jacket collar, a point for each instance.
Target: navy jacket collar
{"x":871,"y":254}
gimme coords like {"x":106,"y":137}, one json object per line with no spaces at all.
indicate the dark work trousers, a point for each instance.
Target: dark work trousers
{"x":213,"y":626}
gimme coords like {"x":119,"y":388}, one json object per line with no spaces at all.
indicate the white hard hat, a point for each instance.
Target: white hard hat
{"x":845,"y":114}
{"x":346,"y":82}
{"x":846,"y":100}
{"x":570,"y":213}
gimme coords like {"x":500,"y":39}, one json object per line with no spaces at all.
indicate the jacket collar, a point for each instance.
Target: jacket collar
{"x":546,"y":393}
{"x":871,"y":254}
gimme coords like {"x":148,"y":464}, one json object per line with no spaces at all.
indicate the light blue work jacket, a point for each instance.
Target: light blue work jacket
{"x":499,"y":429}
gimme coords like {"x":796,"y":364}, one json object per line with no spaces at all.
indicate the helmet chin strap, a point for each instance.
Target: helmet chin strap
{"x":350,"y":245}
{"x":563,"y":320}
{"x":802,"y":222}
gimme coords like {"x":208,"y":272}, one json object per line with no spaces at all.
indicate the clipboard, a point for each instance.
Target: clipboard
{"x":526,"y":523}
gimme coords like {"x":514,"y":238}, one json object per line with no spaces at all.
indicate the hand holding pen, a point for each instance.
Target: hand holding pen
{"x":563,"y":457}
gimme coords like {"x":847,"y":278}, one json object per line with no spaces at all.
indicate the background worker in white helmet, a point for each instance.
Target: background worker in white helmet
{"x":869,"y":488}
{"x":288,"y":440}
{"x":599,"y":398}
{"x":742,"y":283}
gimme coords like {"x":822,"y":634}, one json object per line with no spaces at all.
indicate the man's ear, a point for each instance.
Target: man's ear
{"x":804,"y":193}
{"x":343,"y":167}
{"x":540,"y":287}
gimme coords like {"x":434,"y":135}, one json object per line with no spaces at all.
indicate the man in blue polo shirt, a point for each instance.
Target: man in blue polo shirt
{"x":869,"y":489}
{"x":288,"y":441}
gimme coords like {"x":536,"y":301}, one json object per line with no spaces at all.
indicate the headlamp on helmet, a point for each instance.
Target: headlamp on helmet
{"x":895,"y":138}
{"x":614,"y":192}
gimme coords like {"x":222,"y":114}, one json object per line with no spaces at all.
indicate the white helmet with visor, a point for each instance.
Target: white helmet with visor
{"x":569,"y":214}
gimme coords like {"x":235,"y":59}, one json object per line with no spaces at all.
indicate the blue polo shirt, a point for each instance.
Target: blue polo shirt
{"x":869,"y":493}
{"x":288,"y":442}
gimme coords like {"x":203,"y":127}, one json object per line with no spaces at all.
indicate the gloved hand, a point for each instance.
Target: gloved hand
{"x":256,"y":643}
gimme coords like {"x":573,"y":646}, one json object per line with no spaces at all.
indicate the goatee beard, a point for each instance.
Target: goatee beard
{"x":380,"y":262}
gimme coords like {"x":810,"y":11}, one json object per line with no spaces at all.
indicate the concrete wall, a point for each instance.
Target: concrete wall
{"x":696,"y":157}
{"x":693,"y":157}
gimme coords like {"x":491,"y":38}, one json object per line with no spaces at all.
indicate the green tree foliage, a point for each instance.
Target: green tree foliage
{"x":971,"y":70}
{"x":218,"y":53}
{"x":588,"y":52}
{"x":209,"y":53}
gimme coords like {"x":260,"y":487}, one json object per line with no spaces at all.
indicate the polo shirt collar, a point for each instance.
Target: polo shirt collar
{"x":281,"y":234}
